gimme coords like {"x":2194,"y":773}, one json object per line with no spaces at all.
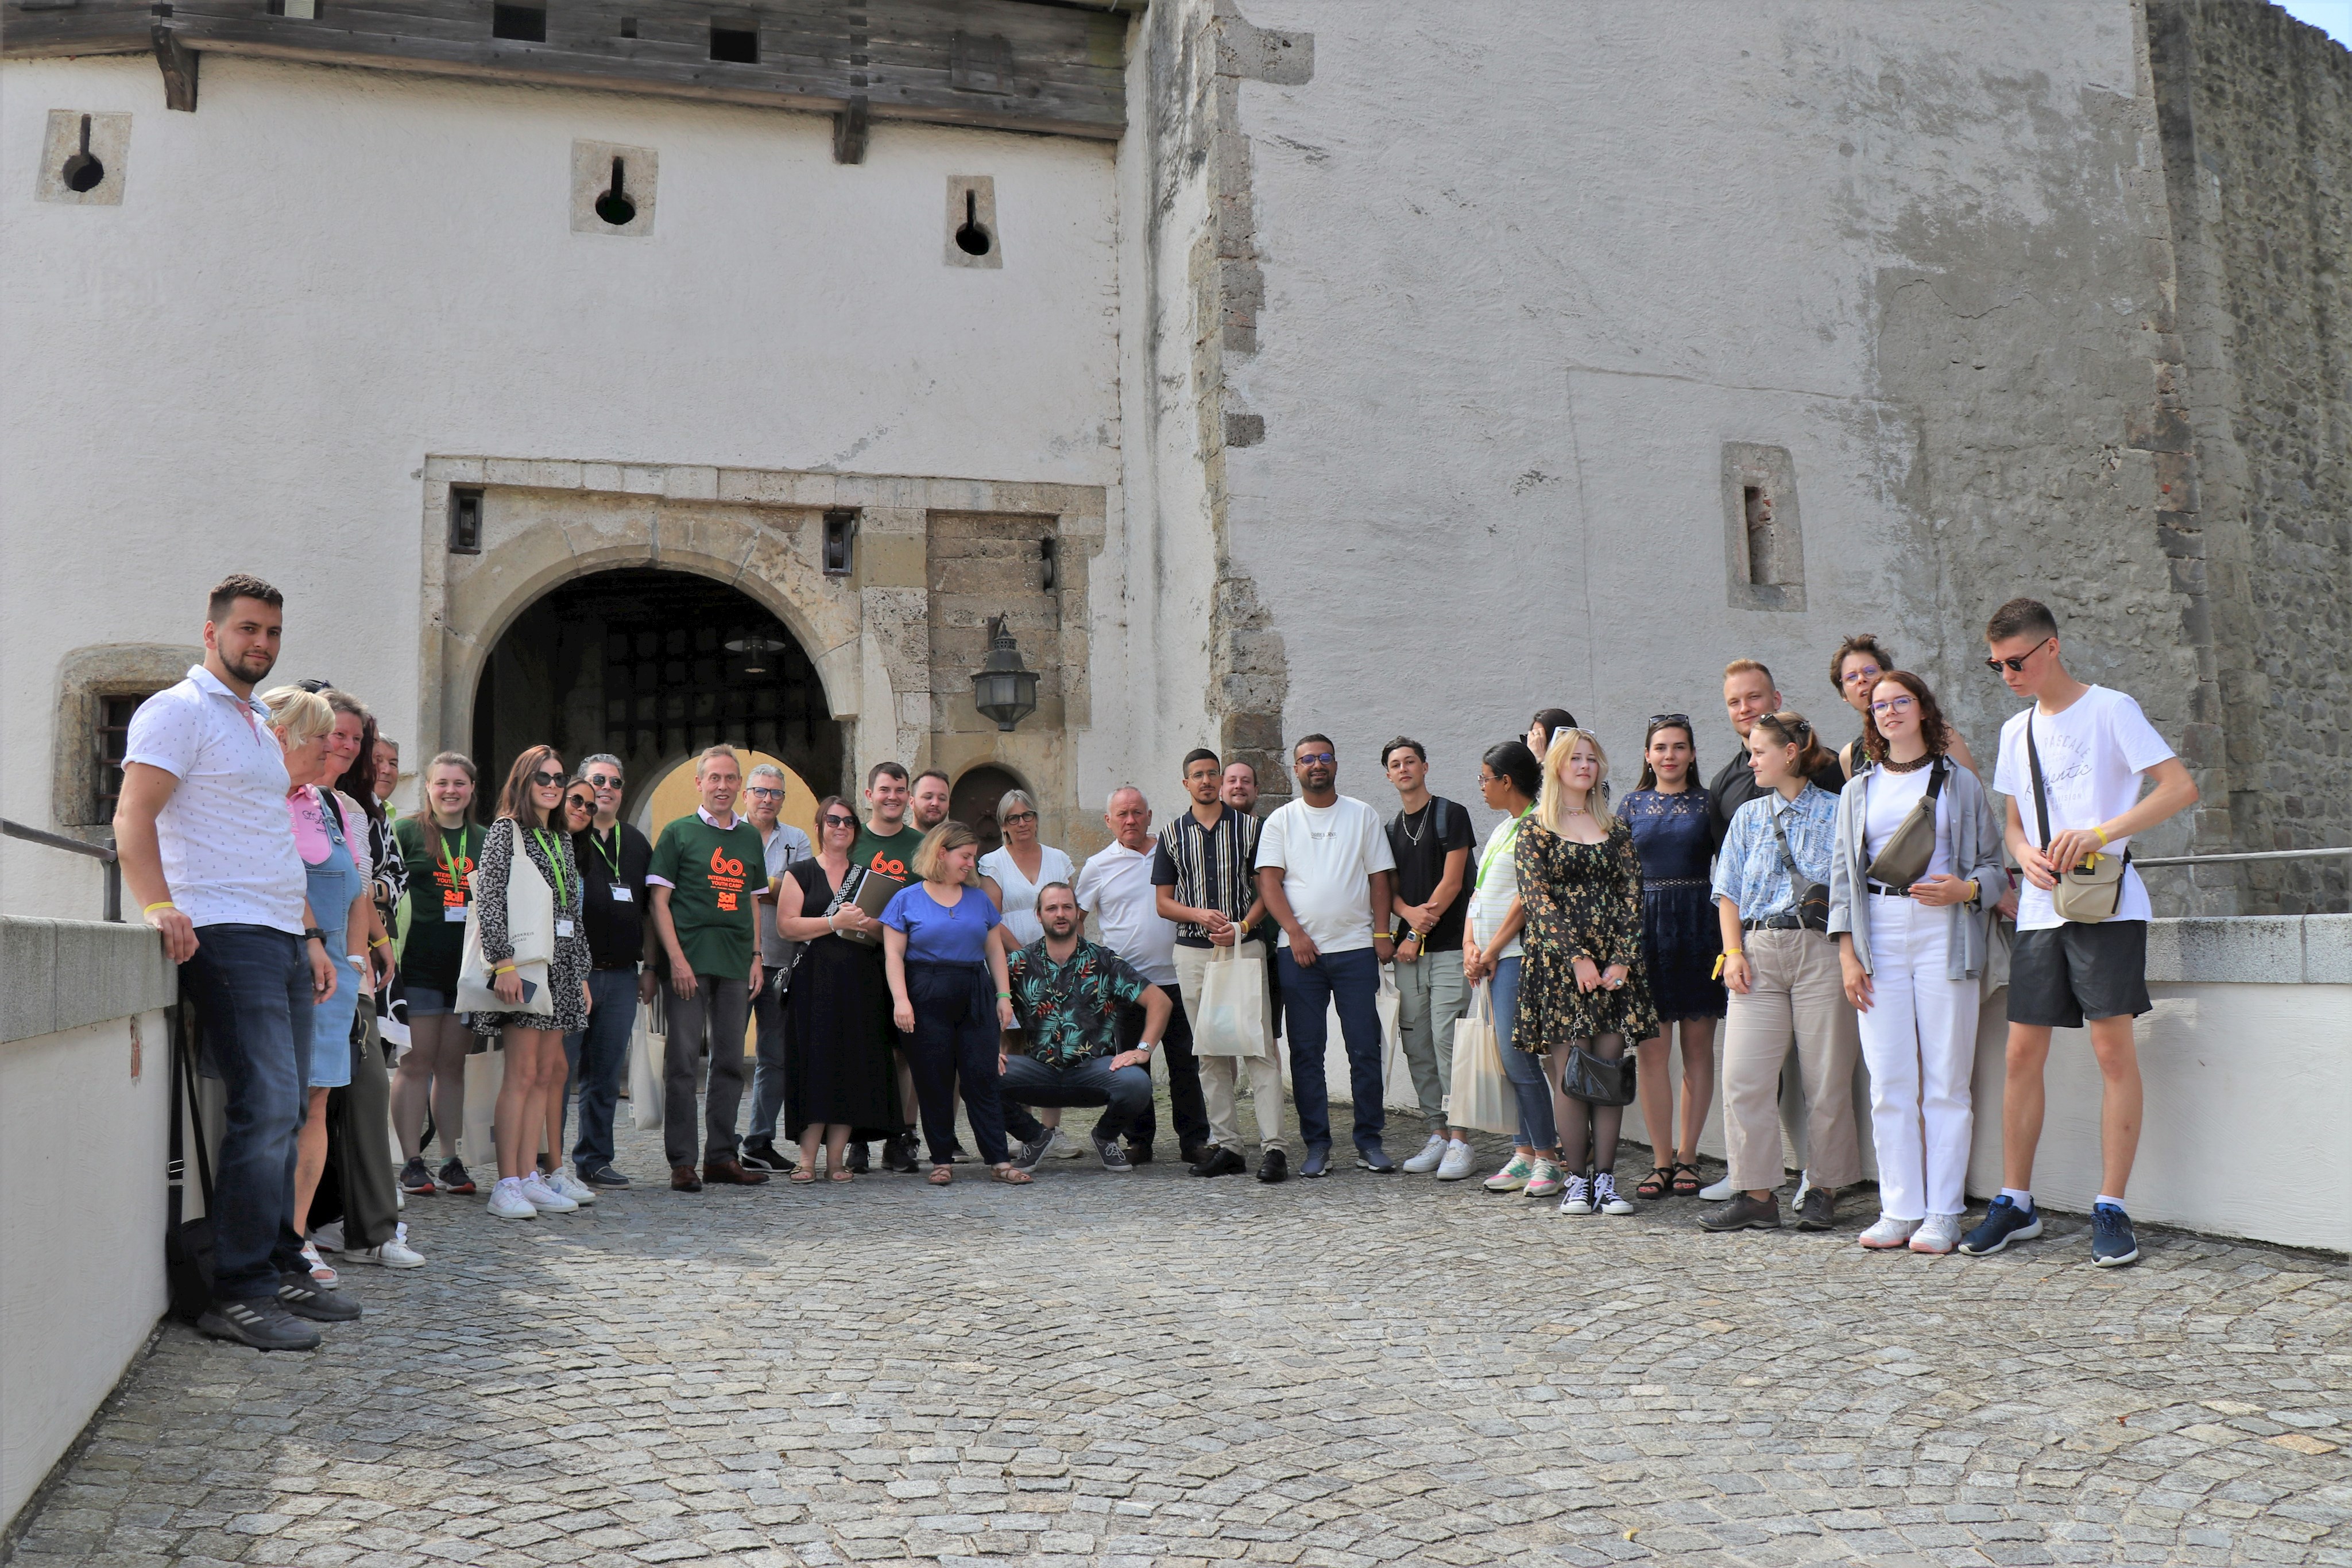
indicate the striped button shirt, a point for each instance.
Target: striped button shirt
{"x":1208,"y":868}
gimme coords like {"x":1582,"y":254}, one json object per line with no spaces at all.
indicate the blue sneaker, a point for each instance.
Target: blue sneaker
{"x":1374,"y":1158}
{"x":2003,"y":1223}
{"x":2112,"y":1242}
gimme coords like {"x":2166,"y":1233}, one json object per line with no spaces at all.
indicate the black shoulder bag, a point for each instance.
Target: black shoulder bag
{"x":1812,"y":897}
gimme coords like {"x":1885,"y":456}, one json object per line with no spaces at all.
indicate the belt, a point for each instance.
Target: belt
{"x":1773,"y":923}
{"x":1883,"y":891}
{"x":623,"y":964}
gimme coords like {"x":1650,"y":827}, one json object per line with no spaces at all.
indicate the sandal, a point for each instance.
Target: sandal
{"x":1012,"y":1176}
{"x":941,"y":1176}
{"x":801,"y":1174}
{"x":1686,"y":1185}
{"x":1653,"y":1186}
{"x":845,"y":1174}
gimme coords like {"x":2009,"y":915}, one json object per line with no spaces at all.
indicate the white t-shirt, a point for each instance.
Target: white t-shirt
{"x":1889,"y":798}
{"x":2092,"y":757}
{"x":227,"y":843}
{"x":1327,"y":856}
{"x":1490,"y":900}
{"x":1115,"y":887}
{"x":1021,"y":922}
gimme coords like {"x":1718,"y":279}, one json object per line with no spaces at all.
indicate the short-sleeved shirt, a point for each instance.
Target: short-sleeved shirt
{"x":1494,"y":882}
{"x":785,"y":846}
{"x":612,"y":866}
{"x":1751,"y":871}
{"x":1115,"y":887}
{"x":226,"y":845}
{"x":892,"y":856}
{"x":435,"y":943}
{"x":1209,"y":868}
{"x":712,"y":874}
{"x":939,"y":933}
{"x":1327,"y":856}
{"x":1021,"y":922}
{"x":1419,"y":842}
{"x":2093,"y":752}
{"x":1071,"y":1009}
{"x":1735,"y":785}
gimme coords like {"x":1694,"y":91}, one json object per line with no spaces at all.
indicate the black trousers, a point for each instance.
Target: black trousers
{"x":1185,"y":1100}
{"x":954,"y":1044}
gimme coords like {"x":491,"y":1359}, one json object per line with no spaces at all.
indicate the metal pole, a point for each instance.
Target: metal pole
{"x":114,"y":891}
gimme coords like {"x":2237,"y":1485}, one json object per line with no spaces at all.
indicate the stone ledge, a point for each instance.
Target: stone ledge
{"x":2252,"y":950}
{"x":57,"y":975}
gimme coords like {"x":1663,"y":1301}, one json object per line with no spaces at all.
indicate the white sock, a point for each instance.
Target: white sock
{"x":2018,"y":1196}
{"x":2111,"y":1202}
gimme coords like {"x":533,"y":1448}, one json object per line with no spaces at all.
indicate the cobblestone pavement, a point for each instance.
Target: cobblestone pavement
{"x":1153,"y":1369}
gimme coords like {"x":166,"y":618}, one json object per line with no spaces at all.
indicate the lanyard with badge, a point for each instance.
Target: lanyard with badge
{"x":454,"y":913}
{"x":1503,"y":844}
{"x":548,"y":847}
{"x":622,"y":891}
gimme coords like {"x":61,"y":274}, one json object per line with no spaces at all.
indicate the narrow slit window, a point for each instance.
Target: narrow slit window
{"x":465,"y":521}
{"x":736,"y":44}
{"x":525,"y":24}
{"x":840,"y":528}
{"x":1756,"y":506}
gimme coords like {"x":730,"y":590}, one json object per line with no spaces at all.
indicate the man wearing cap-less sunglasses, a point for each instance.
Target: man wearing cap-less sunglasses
{"x":613,"y":857}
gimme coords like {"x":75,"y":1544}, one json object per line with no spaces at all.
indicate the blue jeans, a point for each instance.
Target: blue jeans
{"x":768,"y":1071}
{"x":1352,"y":980}
{"x":251,"y":985}
{"x":599,"y":1054}
{"x":1029,"y":1081}
{"x":1538,"y":1130}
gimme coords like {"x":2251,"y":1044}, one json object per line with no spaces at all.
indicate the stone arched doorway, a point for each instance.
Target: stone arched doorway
{"x":974,"y":799}
{"x":651,"y":665}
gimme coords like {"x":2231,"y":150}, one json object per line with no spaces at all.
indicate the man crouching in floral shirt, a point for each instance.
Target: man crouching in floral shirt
{"x":1067,"y":994}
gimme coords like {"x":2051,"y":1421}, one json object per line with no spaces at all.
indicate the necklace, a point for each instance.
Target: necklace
{"x":1411,"y":834}
{"x":1913,"y":765}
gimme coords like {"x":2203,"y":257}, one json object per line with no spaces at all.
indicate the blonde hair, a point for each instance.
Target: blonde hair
{"x":936,"y":844}
{"x":299,"y":716}
{"x":1551,"y":810}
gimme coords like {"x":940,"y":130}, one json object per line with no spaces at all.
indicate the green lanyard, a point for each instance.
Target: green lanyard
{"x":555,"y":865}
{"x":604,"y":855}
{"x":449,"y":861}
{"x":1506,"y":842}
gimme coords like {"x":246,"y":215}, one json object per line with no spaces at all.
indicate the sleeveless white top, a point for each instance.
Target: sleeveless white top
{"x":1020,"y":892}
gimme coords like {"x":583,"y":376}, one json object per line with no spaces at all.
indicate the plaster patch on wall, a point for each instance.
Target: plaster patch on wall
{"x":84,"y":159}
{"x":609,"y":182}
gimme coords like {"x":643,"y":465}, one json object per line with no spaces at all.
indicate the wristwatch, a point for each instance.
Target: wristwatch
{"x":1147,"y":1047}
{"x":313,"y":934}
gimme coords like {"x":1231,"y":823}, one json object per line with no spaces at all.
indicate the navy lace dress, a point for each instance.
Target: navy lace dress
{"x":1681,"y":937}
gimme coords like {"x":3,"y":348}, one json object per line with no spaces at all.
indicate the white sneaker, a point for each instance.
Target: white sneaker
{"x":1064,"y":1147}
{"x":1606,"y":1198}
{"x":319,"y":1271}
{"x":1719,"y":1192}
{"x":1937,"y":1234}
{"x":1804,"y":1186}
{"x":399,"y":1198}
{"x":573,"y":1187}
{"x":1545,"y":1182}
{"x":1513,"y":1176}
{"x":1460,"y":1160}
{"x":1888,"y":1234}
{"x":1579,"y":1197}
{"x":508,"y":1202}
{"x":395,"y":1253}
{"x":544,"y":1197}
{"x":329,"y":1238}
{"x":1431,"y":1153}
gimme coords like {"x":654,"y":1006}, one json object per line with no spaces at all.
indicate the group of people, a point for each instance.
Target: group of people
{"x":1834,"y":902}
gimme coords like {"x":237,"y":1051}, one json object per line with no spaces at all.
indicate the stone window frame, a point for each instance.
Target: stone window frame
{"x":86,"y":678}
{"x":1748,"y":464}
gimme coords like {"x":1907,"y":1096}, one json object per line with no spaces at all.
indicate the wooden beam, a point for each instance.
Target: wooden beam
{"x":178,"y":63}
{"x":849,"y":132}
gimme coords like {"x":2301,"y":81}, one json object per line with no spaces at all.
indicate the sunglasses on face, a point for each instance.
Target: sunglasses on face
{"x":2017,"y":665}
{"x":579,"y":802}
{"x":1855,"y":677}
{"x":835,"y":819}
{"x":605,"y":780}
{"x":1891,"y":706}
{"x":548,"y":780}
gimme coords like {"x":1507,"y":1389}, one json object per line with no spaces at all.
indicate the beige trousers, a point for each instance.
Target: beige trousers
{"x":1796,"y":987}
{"x":1220,"y":1075}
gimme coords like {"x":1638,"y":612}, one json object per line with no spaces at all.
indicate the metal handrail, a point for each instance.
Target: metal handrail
{"x":2241,"y":855}
{"x":102,"y":853}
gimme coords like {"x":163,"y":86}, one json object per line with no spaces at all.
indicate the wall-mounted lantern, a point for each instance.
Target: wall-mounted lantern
{"x":1004,"y":688}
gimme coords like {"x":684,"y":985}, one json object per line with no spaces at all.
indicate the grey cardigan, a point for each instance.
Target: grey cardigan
{"x":1976,"y":853}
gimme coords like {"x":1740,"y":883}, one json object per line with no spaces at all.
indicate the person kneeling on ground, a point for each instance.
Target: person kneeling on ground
{"x":1067,"y":993}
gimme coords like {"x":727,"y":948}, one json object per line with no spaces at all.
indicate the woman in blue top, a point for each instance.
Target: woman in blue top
{"x":937,"y":953}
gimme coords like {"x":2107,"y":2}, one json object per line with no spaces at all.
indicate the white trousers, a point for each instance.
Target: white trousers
{"x":1919,"y":1042}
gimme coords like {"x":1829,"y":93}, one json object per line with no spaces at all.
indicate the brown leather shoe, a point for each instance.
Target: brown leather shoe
{"x":730,"y":1173}
{"x":683,"y":1179}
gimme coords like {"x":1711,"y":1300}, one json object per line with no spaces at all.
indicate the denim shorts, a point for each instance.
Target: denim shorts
{"x":424,"y":1002}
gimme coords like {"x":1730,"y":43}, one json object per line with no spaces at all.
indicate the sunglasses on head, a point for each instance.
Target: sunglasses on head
{"x":2017,"y":665}
{"x":313,"y":686}
{"x":1668,"y":720}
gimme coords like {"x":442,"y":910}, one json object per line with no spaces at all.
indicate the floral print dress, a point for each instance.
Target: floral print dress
{"x":1582,"y":900}
{"x":568,"y":976}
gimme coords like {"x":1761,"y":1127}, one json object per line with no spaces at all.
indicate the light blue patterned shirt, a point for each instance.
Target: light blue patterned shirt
{"x":1748,"y":868}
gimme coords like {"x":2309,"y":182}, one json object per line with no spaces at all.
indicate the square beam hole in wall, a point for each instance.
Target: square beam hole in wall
{"x":735,"y":39}
{"x":973,"y":239}
{"x":840,"y":537}
{"x":613,"y":188}
{"x":83,"y":156}
{"x":465,"y":519}
{"x":294,"y":10}
{"x":524,"y":24}
{"x":1763,"y":531}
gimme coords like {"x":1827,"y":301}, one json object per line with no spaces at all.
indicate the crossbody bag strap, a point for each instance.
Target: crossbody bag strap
{"x":2040,"y":799}
{"x":1787,"y":859}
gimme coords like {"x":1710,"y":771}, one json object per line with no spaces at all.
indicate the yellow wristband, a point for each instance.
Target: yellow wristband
{"x":2102,"y":836}
{"x":159,"y":903}
{"x":381,"y":942}
{"x":503,"y":970}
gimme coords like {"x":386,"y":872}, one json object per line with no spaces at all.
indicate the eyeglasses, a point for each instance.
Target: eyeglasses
{"x":1313,"y":757}
{"x":1855,"y":677}
{"x":603,"y":780}
{"x":313,"y":686}
{"x":548,"y":780}
{"x":1660,"y":720}
{"x":762,"y":793}
{"x":1020,"y":817}
{"x":2017,"y":665}
{"x":1891,"y":706}
{"x":835,"y":819}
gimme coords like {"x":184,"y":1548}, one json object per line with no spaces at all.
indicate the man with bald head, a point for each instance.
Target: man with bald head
{"x":1115,"y":887}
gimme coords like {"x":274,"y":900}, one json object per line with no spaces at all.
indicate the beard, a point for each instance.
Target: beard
{"x":252,"y":664}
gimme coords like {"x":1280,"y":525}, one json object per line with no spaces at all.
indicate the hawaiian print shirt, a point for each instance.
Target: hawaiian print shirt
{"x":1071,"y":1009}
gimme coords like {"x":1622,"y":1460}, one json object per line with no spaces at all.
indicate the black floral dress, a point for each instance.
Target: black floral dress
{"x":567,"y":976}
{"x":1582,"y":901}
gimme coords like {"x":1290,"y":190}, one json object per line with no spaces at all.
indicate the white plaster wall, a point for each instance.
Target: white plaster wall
{"x":324,"y":275}
{"x":81,"y":1228}
{"x":1529,"y":264}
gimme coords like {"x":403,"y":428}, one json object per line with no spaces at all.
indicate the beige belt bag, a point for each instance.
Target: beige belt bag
{"x":1905,"y":855}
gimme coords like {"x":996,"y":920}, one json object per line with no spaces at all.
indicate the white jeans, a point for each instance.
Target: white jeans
{"x":1920,"y":1041}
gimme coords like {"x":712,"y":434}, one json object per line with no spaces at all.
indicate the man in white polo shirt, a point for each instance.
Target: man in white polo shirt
{"x":1324,"y":869}
{"x":207,"y":852}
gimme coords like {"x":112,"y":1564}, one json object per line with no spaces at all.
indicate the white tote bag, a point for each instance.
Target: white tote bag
{"x":1231,"y":1017}
{"x":1337,"y":1077}
{"x":531,"y":927}
{"x":1480,"y":1095}
{"x":647,"y":1044}
{"x":485,"y":1071}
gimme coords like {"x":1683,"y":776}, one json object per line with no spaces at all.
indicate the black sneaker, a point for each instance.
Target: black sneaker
{"x":262,"y":1324}
{"x":1819,"y":1211}
{"x":416,"y":1180}
{"x":1027,"y":1156}
{"x":763,"y":1157}
{"x":453,"y":1178}
{"x":1219,"y":1161}
{"x":1139,"y":1154}
{"x":860,"y":1159}
{"x":1114,"y":1158}
{"x":604,"y":1175}
{"x":2003,"y":1223}
{"x":897,"y":1154}
{"x":1274,"y":1166}
{"x":2113,"y":1245}
{"x":1741,"y":1212}
{"x":305,"y":1298}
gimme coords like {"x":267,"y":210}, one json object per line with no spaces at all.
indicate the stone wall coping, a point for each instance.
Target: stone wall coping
{"x":56,"y":974}
{"x":2252,"y":950}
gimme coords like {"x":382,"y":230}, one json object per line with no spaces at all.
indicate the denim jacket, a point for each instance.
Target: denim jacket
{"x":1976,"y":853}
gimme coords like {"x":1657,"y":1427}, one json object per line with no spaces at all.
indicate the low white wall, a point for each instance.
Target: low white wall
{"x":83,"y":1124}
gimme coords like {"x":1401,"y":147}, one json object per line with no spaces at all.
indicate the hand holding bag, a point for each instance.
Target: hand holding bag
{"x":1908,"y":850}
{"x":646,"y":1043}
{"x":2091,"y":891}
{"x":1479,"y":1093}
{"x":531,"y":927}
{"x":1232,"y":1016}
{"x":1598,"y":1082}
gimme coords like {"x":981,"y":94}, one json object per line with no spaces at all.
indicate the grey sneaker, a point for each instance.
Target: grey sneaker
{"x":1114,"y":1158}
{"x":1028,"y":1155}
{"x":263,"y":1325}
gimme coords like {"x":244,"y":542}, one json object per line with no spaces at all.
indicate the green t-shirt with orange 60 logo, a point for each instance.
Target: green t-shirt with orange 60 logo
{"x":712,"y":874}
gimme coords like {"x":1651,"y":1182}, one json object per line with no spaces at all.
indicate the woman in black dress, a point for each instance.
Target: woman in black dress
{"x":1681,"y":942}
{"x":838,"y":1079}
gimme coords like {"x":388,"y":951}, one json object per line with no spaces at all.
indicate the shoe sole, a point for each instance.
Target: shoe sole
{"x":465,"y":1191}
{"x":1740,"y":1225}
{"x":387,"y":1263}
{"x":494,"y":1214}
{"x":230,"y":1332}
{"x":1504,"y":1191}
{"x":427,"y":1190}
{"x":2125,"y":1260}
{"x":1376,"y":1170}
{"x":1816,"y":1225}
{"x":2022,"y":1233}
{"x":1903,"y":1245}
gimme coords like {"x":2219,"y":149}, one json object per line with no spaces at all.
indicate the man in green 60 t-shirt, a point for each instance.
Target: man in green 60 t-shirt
{"x":706,"y":870}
